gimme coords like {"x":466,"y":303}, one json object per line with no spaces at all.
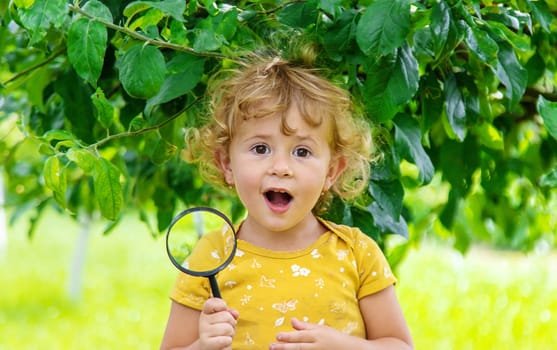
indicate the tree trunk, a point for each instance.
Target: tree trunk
{"x":3,"y":224}
{"x":76,"y":277}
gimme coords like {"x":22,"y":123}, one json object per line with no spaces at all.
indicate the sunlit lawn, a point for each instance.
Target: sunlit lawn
{"x":484,"y":300}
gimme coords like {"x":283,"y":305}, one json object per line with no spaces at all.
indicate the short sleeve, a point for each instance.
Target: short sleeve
{"x":191,"y":291}
{"x":373,"y":267}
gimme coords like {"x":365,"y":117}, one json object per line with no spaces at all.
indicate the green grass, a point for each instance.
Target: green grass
{"x":483,"y":300}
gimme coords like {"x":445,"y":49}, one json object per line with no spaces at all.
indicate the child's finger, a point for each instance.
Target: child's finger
{"x":214,"y":305}
{"x":301,"y":325}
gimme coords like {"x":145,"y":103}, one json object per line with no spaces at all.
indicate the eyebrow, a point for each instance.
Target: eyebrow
{"x":305,"y":137}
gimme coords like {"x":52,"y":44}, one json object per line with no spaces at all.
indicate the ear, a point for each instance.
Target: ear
{"x":223,"y":162}
{"x":336,"y":168}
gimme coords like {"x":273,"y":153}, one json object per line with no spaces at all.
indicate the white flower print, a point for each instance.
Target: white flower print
{"x":255,"y":264}
{"x":320,"y":283}
{"x":215,"y":255}
{"x":297,"y":271}
{"x":285,"y":306}
{"x":315,"y":254}
{"x":248,"y":339}
{"x":230,"y":284}
{"x":267,"y":282}
{"x":338,"y":307}
{"x":350,"y":327}
{"x":362,"y":244}
{"x":195,"y":299}
{"x":245,"y":299}
{"x":279,"y":321}
{"x":342,"y":254}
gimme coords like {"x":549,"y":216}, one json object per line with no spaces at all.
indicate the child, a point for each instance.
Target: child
{"x":285,"y":139}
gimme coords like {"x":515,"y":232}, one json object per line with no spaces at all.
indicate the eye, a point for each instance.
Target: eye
{"x":302,"y":152}
{"x":260,"y":149}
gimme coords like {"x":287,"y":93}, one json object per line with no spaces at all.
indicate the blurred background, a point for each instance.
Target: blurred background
{"x":96,"y":96}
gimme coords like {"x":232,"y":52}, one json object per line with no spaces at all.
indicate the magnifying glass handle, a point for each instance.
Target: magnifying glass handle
{"x":214,"y":287}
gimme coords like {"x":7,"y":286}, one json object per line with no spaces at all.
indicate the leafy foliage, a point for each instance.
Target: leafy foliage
{"x":461,"y":89}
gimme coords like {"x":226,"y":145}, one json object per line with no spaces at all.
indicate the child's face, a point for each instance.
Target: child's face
{"x":279,"y":177}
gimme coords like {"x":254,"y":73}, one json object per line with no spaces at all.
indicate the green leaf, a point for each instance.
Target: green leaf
{"x":55,"y":178}
{"x":77,"y":107}
{"x":137,"y":123}
{"x":227,"y":23}
{"x":340,"y":36}
{"x":409,"y":146}
{"x":174,"y":8}
{"x":511,"y":74}
{"x":108,"y":190}
{"x":541,"y":13}
{"x":58,"y":135}
{"x":397,"y":254}
{"x":34,"y":220}
{"x":390,"y":84}
{"x":148,"y":23}
{"x":455,"y":107}
{"x":549,"y":179}
{"x":213,"y":32}
{"x":209,"y":5}
{"x":104,"y":111}
{"x":490,"y":136}
{"x":432,"y":101}
{"x":142,"y":71}
{"x":458,"y":161}
{"x":503,"y":34}
{"x":87,"y":41}
{"x":548,"y":111}
{"x":482,"y":45}
{"x":98,"y":10}
{"x":165,"y":202}
{"x":299,"y":14}
{"x":330,"y":7}
{"x":383,"y":27}
{"x":161,"y":150}
{"x":386,"y":222}
{"x":449,"y":212}
{"x":440,"y":26}
{"x":388,"y":168}
{"x":187,"y":71}
{"x":536,"y":68}
{"x":83,"y":158}
{"x":389,"y":195}
{"x":41,"y":16}
{"x":363,"y":219}
{"x":207,"y":40}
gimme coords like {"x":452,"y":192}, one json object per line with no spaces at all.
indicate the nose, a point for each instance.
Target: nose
{"x":280,"y":166}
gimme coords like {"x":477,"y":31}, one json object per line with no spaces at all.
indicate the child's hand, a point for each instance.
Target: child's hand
{"x":310,"y":336}
{"x":217,"y":325}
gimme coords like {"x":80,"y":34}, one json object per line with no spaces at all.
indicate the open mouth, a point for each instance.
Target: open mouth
{"x":278,"y":198}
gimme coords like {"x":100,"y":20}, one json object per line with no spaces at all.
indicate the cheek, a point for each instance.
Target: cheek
{"x":242,"y":176}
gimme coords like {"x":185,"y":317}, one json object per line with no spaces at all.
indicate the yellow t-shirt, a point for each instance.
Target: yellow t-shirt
{"x":320,"y":284}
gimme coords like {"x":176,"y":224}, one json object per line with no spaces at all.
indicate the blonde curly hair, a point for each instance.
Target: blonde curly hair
{"x":243,"y":93}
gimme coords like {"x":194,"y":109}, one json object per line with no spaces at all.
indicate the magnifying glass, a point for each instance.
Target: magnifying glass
{"x":201,"y":241}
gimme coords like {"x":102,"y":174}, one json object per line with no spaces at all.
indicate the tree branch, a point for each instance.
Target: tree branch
{"x":280,"y":7}
{"x":139,"y":36}
{"x":144,"y":130}
{"x":32,"y":68}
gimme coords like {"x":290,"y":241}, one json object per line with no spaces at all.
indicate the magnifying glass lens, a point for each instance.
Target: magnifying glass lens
{"x":201,"y":241}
